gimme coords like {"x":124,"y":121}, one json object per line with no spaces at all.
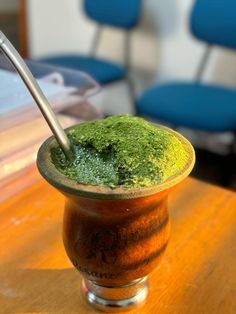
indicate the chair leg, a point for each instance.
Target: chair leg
{"x":131,"y":91}
{"x":229,"y":171}
{"x":127,"y":62}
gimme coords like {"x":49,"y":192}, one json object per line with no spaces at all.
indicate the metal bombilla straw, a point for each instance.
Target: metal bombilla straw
{"x":37,"y":95}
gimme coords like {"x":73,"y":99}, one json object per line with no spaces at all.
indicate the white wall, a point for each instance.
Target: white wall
{"x":57,"y":26}
{"x":7,"y":6}
{"x":162,"y":44}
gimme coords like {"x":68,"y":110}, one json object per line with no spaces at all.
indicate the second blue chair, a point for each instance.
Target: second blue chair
{"x":197,"y":105}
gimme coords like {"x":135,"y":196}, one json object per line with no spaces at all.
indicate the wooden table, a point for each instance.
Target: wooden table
{"x":197,"y":274}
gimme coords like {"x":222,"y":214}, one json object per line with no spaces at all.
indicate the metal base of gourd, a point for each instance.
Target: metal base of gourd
{"x":116,"y":298}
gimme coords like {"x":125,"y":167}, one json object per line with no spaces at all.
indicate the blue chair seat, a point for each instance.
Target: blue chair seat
{"x":203,"y":107}
{"x":102,"y":71}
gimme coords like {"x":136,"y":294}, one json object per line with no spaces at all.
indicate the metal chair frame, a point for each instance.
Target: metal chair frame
{"x":203,"y":63}
{"x":126,"y":56}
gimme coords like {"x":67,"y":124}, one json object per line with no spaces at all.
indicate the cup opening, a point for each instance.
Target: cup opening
{"x":65,"y":184}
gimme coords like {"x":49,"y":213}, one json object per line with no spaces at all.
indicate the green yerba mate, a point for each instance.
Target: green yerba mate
{"x":121,"y":150}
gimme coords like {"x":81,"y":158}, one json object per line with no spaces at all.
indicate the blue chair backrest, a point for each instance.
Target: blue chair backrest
{"x":118,"y":13}
{"x":214,"y":21}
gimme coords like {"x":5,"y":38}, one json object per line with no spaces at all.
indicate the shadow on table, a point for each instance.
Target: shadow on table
{"x":41,"y":290}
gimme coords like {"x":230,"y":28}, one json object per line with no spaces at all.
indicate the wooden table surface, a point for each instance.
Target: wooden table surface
{"x":197,"y":274}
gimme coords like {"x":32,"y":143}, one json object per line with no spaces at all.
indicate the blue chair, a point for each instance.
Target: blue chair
{"x":196,"y":105}
{"x":120,"y":14}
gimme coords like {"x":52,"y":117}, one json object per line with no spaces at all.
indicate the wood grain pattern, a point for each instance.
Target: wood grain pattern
{"x":114,"y":242}
{"x":197,"y":273}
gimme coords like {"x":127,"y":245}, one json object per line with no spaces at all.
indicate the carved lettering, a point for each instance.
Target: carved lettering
{"x":95,"y":274}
